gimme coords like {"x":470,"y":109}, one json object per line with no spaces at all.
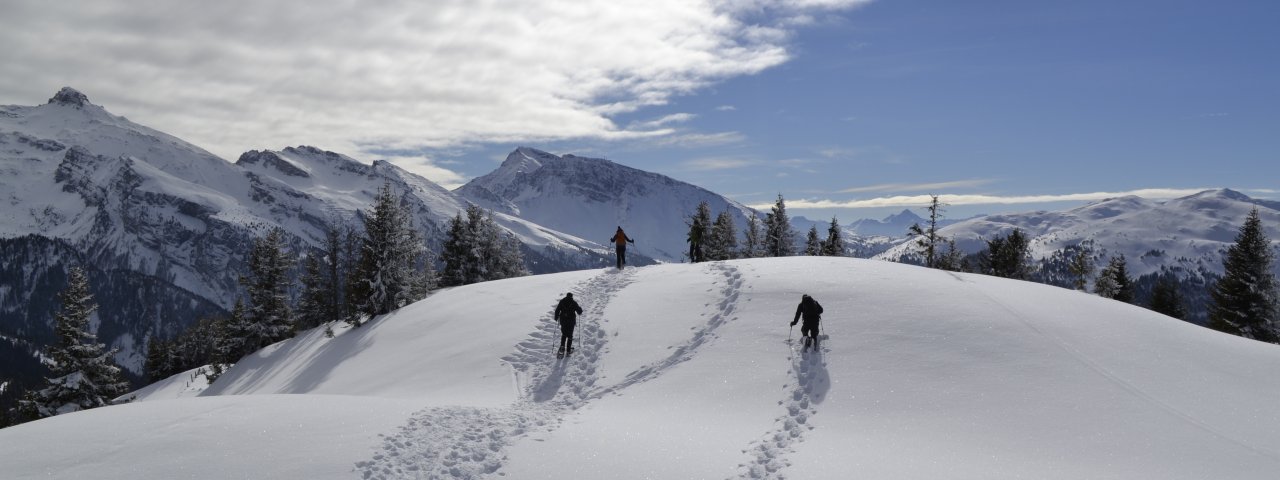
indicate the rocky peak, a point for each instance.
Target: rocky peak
{"x":70,"y":97}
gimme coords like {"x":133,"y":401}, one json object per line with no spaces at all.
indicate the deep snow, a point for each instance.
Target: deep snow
{"x":684,"y":371}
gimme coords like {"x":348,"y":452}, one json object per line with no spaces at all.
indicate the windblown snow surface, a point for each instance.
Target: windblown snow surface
{"x":685,"y":371}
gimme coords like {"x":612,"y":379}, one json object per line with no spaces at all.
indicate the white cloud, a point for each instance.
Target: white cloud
{"x":920,"y":200}
{"x":430,"y":169}
{"x":726,"y":108}
{"x":887,"y":187}
{"x":663,"y":121}
{"x":695,"y":140}
{"x":704,"y":164}
{"x":232,"y":75}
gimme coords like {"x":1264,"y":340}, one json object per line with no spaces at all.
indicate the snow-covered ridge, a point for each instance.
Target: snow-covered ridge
{"x":981,"y":377}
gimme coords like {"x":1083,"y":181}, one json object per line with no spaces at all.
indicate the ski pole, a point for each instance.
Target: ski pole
{"x":793,"y":327}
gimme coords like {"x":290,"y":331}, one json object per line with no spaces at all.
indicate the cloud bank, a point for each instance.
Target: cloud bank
{"x":975,"y":199}
{"x":232,"y":75}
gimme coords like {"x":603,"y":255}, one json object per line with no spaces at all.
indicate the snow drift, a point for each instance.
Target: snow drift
{"x":684,"y":371}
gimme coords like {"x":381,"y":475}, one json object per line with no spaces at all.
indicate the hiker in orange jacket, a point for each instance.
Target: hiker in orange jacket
{"x":620,"y":239}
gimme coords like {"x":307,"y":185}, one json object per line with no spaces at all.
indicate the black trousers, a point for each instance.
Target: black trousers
{"x":566,"y":334}
{"x":622,"y":256}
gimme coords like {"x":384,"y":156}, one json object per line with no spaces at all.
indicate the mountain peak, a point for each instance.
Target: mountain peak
{"x":70,"y":97}
{"x":905,"y":215}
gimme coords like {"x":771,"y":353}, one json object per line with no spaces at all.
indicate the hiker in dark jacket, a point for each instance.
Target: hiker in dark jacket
{"x":812,"y":314}
{"x":620,"y":239}
{"x":567,"y":312}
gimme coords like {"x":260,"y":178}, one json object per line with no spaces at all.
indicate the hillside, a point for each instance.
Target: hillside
{"x":684,"y":371}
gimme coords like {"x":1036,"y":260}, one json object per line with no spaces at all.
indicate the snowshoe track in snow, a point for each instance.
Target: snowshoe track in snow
{"x":800,"y":404}
{"x":466,"y":442}
{"x":702,"y":334}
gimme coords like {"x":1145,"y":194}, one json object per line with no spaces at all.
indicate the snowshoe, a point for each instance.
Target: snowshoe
{"x":560,"y":353}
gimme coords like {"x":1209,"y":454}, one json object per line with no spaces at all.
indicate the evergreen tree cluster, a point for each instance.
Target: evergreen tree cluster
{"x":476,"y":250}
{"x":392,"y":271}
{"x":778,"y":235}
{"x":1008,"y":256}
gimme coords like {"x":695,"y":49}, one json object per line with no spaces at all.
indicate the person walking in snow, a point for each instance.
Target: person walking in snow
{"x":811,"y":311}
{"x":695,"y":241}
{"x":620,"y":239}
{"x":567,"y":312}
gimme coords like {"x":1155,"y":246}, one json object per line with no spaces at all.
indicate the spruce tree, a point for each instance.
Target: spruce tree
{"x":267,"y":286}
{"x":84,"y":374}
{"x":753,"y":238}
{"x":1166,"y":299}
{"x":812,"y":245}
{"x":390,"y":252}
{"x":454,"y":253}
{"x":724,"y":238}
{"x":1244,"y":300}
{"x":158,"y":364}
{"x":315,"y":301}
{"x":1114,"y":282}
{"x":1008,"y":256}
{"x":476,"y":249}
{"x":833,"y":246}
{"x":779,"y":237}
{"x":929,"y":240}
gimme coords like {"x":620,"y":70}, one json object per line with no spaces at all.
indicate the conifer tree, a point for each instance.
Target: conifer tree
{"x":724,"y":238}
{"x":84,"y":374}
{"x":230,"y":345}
{"x":833,"y":246}
{"x":390,"y":252}
{"x":779,"y":240}
{"x":753,"y":238}
{"x":1244,"y":300}
{"x":269,"y":317}
{"x":929,"y":240}
{"x":812,"y":245}
{"x":315,"y":301}
{"x":953,"y":259}
{"x":1081,"y":265}
{"x":1114,"y":282}
{"x":158,"y":364}
{"x":1007,"y":256}
{"x":1166,"y":299}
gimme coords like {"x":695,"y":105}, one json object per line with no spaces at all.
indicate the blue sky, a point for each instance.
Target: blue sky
{"x":849,"y":108}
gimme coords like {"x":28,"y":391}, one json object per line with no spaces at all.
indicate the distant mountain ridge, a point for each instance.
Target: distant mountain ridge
{"x":1188,"y":233}
{"x":589,"y":197}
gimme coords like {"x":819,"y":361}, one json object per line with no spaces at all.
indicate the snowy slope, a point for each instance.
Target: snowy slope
{"x":1188,"y":232}
{"x":589,"y":197}
{"x":684,"y":371}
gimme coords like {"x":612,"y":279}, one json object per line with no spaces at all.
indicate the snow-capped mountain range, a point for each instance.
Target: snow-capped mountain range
{"x":685,"y":371}
{"x":1187,"y":235}
{"x":163,"y":225}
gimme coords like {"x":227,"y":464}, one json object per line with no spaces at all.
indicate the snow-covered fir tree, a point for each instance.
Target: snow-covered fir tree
{"x":386,"y":278}
{"x":953,"y":258}
{"x":779,"y":240}
{"x":269,"y":318}
{"x":833,"y":246}
{"x":812,"y":244}
{"x":723,"y":244}
{"x":753,"y":238}
{"x":1114,"y":282}
{"x":84,"y":374}
{"x":477,"y":250}
{"x":1244,"y":300}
